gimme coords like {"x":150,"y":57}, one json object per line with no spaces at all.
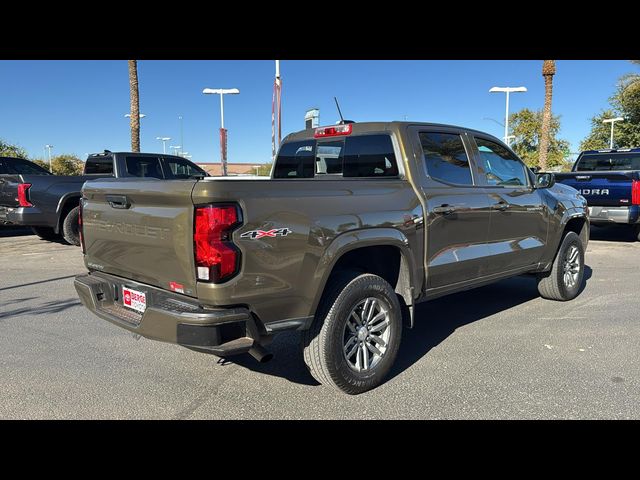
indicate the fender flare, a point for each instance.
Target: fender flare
{"x":61,"y":204}
{"x":370,"y":237}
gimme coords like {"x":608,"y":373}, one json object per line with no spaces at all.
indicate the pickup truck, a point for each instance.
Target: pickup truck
{"x":357,"y":223}
{"x":31,"y":196}
{"x":610,"y":181}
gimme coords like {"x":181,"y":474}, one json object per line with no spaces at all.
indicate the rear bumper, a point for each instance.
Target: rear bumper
{"x":27,"y":216}
{"x":170,"y":317}
{"x":604,"y":215}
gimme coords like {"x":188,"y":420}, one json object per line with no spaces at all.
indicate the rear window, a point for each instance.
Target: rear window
{"x":359,"y":156}
{"x":144,"y":167}
{"x":101,"y":165}
{"x":446,"y":158}
{"x":609,"y":161}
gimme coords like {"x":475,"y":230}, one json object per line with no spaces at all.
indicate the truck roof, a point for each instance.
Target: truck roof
{"x":141,"y":154}
{"x":612,"y":150}
{"x":370,"y":127}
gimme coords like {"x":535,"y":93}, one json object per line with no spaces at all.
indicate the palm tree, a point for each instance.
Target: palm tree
{"x":548,"y":71}
{"x":135,"y":106}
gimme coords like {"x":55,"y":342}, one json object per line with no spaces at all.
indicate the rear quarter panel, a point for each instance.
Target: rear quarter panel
{"x":282,"y":277}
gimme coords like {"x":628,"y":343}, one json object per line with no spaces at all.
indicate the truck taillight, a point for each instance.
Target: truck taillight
{"x":23,"y":189}
{"x":80,"y":228}
{"x":333,"y":131}
{"x":635,"y":192}
{"x":217,"y":258}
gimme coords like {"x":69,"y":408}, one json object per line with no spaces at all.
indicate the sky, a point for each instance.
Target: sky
{"x":78,"y":106}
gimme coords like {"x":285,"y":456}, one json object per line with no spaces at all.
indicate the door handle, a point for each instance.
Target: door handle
{"x":502,"y":206}
{"x":118,"y":201}
{"x":444,"y":209}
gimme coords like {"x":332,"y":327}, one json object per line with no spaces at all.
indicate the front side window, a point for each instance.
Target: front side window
{"x":499,"y":166}
{"x":446,"y":158}
{"x":295,"y":160}
{"x":183,"y":168}
{"x":146,"y":167}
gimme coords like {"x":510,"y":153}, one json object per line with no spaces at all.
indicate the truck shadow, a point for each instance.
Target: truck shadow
{"x":13,"y":231}
{"x":434,"y":322}
{"x":612,"y":233}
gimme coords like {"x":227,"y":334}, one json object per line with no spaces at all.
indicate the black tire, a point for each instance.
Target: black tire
{"x":324,"y":342}
{"x":70,"y":227}
{"x":557,"y":283}
{"x":636,"y":232}
{"x":45,"y":233}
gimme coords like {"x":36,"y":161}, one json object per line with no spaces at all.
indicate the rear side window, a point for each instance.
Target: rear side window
{"x":24,"y":167}
{"x":609,"y":161}
{"x":446,"y":158}
{"x":369,"y":156}
{"x":295,"y":160}
{"x":146,"y":167}
{"x":183,"y":168}
{"x":101,"y":165}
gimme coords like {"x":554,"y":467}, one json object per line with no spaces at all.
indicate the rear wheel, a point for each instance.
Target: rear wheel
{"x":355,"y":336}
{"x":45,"y":233}
{"x":70,"y":227}
{"x":564,"y":280}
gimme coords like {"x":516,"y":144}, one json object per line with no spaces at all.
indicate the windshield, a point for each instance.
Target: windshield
{"x":609,"y":161}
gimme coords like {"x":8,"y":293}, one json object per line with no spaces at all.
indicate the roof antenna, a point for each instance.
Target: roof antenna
{"x":339,"y":112}
{"x":342,"y":120}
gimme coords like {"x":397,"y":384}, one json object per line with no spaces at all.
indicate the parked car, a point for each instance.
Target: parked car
{"x":358,"y":223}
{"x":610,"y":181}
{"x":31,"y":196}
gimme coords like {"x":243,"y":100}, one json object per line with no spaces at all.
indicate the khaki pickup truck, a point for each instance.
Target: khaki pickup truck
{"x":357,"y":223}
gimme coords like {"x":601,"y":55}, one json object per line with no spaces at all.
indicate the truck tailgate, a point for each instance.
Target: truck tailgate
{"x":604,"y":189}
{"x":141,"y":229}
{"x":9,"y":190}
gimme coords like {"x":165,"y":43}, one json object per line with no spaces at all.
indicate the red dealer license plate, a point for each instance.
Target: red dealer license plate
{"x":134,"y":299}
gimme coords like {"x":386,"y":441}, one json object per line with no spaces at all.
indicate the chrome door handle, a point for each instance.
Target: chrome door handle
{"x":444,"y":209}
{"x":118,"y":201}
{"x":502,"y":206}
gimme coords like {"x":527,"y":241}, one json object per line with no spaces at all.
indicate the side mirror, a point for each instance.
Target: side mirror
{"x":545,"y":180}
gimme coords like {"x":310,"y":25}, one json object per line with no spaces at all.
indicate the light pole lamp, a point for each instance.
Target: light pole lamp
{"x":141,"y":115}
{"x":223,"y":133}
{"x":164,"y":141}
{"x":612,"y":121}
{"x":175,"y":148}
{"x":507,"y":90}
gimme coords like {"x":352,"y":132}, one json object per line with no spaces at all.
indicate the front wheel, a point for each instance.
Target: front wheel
{"x":564,"y":280}
{"x":355,"y":337}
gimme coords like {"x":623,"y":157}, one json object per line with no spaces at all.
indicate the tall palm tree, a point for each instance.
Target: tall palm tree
{"x":548,"y":71}
{"x":135,"y":106}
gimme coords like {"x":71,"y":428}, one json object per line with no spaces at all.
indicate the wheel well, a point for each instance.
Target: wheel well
{"x":578,"y":225}
{"x":69,"y":204}
{"x":387,"y":262}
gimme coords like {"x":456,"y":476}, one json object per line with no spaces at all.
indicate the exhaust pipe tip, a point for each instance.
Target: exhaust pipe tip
{"x":260,"y":353}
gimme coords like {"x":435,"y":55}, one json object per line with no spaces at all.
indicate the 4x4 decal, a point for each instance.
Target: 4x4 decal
{"x":275,"y":232}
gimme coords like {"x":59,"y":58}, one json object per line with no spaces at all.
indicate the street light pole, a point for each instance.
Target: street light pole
{"x":612,"y":121}
{"x":49,"y":147}
{"x":507,"y":90}
{"x":164,"y":143}
{"x":181,"y":131}
{"x":223,"y":132}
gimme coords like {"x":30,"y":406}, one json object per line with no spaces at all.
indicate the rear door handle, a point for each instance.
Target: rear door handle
{"x":118,"y":201}
{"x":444,"y":209}
{"x":502,"y":206}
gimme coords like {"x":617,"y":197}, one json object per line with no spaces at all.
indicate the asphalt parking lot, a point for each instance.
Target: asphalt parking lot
{"x":499,"y":352}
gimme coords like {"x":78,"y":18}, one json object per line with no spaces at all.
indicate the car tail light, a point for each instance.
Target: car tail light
{"x":217,"y":258}
{"x":23,"y":190}
{"x":635,"y":192}
{"x":80,"y":228}
{"x":333,"y":131}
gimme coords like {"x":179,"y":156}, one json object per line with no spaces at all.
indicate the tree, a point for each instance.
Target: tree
{"x":527,"y":127}
{"x":43,"y":163}
{"x":66,"y":164}
{"x":10,"y":150}
{"x":548,"y":71}
{"x":135,"y":105}
{"x":625,"y":102}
